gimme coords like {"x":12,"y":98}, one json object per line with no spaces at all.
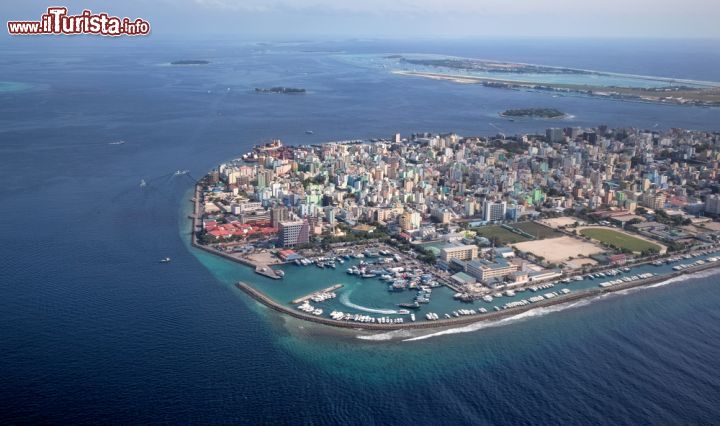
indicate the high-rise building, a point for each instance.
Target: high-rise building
{"x":278,"y":214}
{"x":494,"y":210}
{"x":712,"y":205}
{"x":294,"y":233}
{"x":330,"y":215}
{"x":410,"y":221}
{"x":653,"y":200}
{"x":555,"y":134}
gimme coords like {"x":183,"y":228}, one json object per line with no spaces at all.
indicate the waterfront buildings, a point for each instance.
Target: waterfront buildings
{"x":294,"y":233}
{"x":452,"y":251}
{"x":485,"y":270}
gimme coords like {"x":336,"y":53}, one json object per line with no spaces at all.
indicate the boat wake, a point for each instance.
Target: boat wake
{"x":345,"y":300}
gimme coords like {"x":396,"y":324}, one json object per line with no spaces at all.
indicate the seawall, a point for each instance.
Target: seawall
{"x":452,"y":322}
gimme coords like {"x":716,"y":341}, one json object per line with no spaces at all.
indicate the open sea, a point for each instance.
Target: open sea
{"x":94,"y":330}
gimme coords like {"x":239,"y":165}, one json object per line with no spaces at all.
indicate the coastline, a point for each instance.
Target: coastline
{"x":534,"y":117}
{"x":465,"y":320}
{"x":706,"y":97}
{"x":267,"y":301}
{"x":264,"y":270}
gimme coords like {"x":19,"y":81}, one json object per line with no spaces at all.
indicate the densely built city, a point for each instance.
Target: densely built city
{"x":485,"y":216}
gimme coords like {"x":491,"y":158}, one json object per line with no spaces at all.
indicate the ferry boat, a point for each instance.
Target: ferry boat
{"x":413,"y":305}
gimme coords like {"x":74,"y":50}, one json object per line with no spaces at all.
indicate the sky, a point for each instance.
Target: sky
{"x":302,"y":19}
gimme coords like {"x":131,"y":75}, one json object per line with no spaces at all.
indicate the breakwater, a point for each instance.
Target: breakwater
{"x":452,"y":322}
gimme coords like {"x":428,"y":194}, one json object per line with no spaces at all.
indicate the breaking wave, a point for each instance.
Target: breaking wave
{"x":386,"y":336}
{"x":532,"y":313}
{"x":409,"y":336}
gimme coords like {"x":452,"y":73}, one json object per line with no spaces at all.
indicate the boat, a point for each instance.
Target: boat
{"x":403,"y":312}
{"x":368,"y":275}
{"x":413,"y":305}
{"x":165,"y":260}
{"x":280,"y":273}
{"x":309,"y":132}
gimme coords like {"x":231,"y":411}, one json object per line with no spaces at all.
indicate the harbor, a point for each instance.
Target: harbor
{"x":437,"y":318}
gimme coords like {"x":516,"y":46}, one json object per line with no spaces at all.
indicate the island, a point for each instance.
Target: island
{"x":554,"y":80}
{"x":279,"y":89}
{"x":190,"y":62}
{"x":424,"y":231}
{"x":487,"y":66}
{"x":533,"y":113}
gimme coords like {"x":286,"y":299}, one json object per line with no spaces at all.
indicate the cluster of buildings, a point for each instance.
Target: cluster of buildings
{"x":425,"y":185}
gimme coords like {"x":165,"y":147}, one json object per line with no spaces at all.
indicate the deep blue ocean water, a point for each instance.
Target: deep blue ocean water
{"x":94,"y":330}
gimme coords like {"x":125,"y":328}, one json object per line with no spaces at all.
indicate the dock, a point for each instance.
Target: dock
{"x":327,"y":290}
{"x":267,"y":271}
{"x":493,"y":315}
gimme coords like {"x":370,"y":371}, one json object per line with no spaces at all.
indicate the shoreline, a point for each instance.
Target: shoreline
{"x":689,"y":97}
{"x":267,"y":301}
{"x":264,"y":270}
{"x":263,"y":299}
{"x":534,"y":117}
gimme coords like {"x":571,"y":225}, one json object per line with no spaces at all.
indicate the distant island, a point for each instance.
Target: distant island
{"x":534,"y":113}
{"x":190,"y":62}
{"x":487,"y":66}
{"x":279,"y":90}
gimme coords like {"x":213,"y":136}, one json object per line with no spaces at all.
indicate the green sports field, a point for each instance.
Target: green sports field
{"x":504,"y":236}
{"x":618,"y":239}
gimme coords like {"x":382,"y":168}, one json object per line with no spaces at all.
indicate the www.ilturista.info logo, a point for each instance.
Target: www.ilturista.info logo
{"x":57,"y":21}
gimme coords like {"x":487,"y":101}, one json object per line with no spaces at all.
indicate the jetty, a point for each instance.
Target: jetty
{"x":327,"y":290}
{"x":464,"y":320}
{"x":267,"y":271}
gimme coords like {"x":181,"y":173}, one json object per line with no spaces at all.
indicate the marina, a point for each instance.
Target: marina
{"x":448,"y":312}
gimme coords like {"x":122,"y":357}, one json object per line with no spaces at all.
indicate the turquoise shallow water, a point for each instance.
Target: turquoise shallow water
{"x":12,"y":86}
{"x":93,"y":329}
{"x":593,"y":78}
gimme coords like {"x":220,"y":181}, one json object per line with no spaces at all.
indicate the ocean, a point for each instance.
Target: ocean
{"x":94,"y":330}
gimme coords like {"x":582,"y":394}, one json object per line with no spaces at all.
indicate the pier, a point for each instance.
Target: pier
{"x":452,"y":322}
{"x":327,"y":290}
